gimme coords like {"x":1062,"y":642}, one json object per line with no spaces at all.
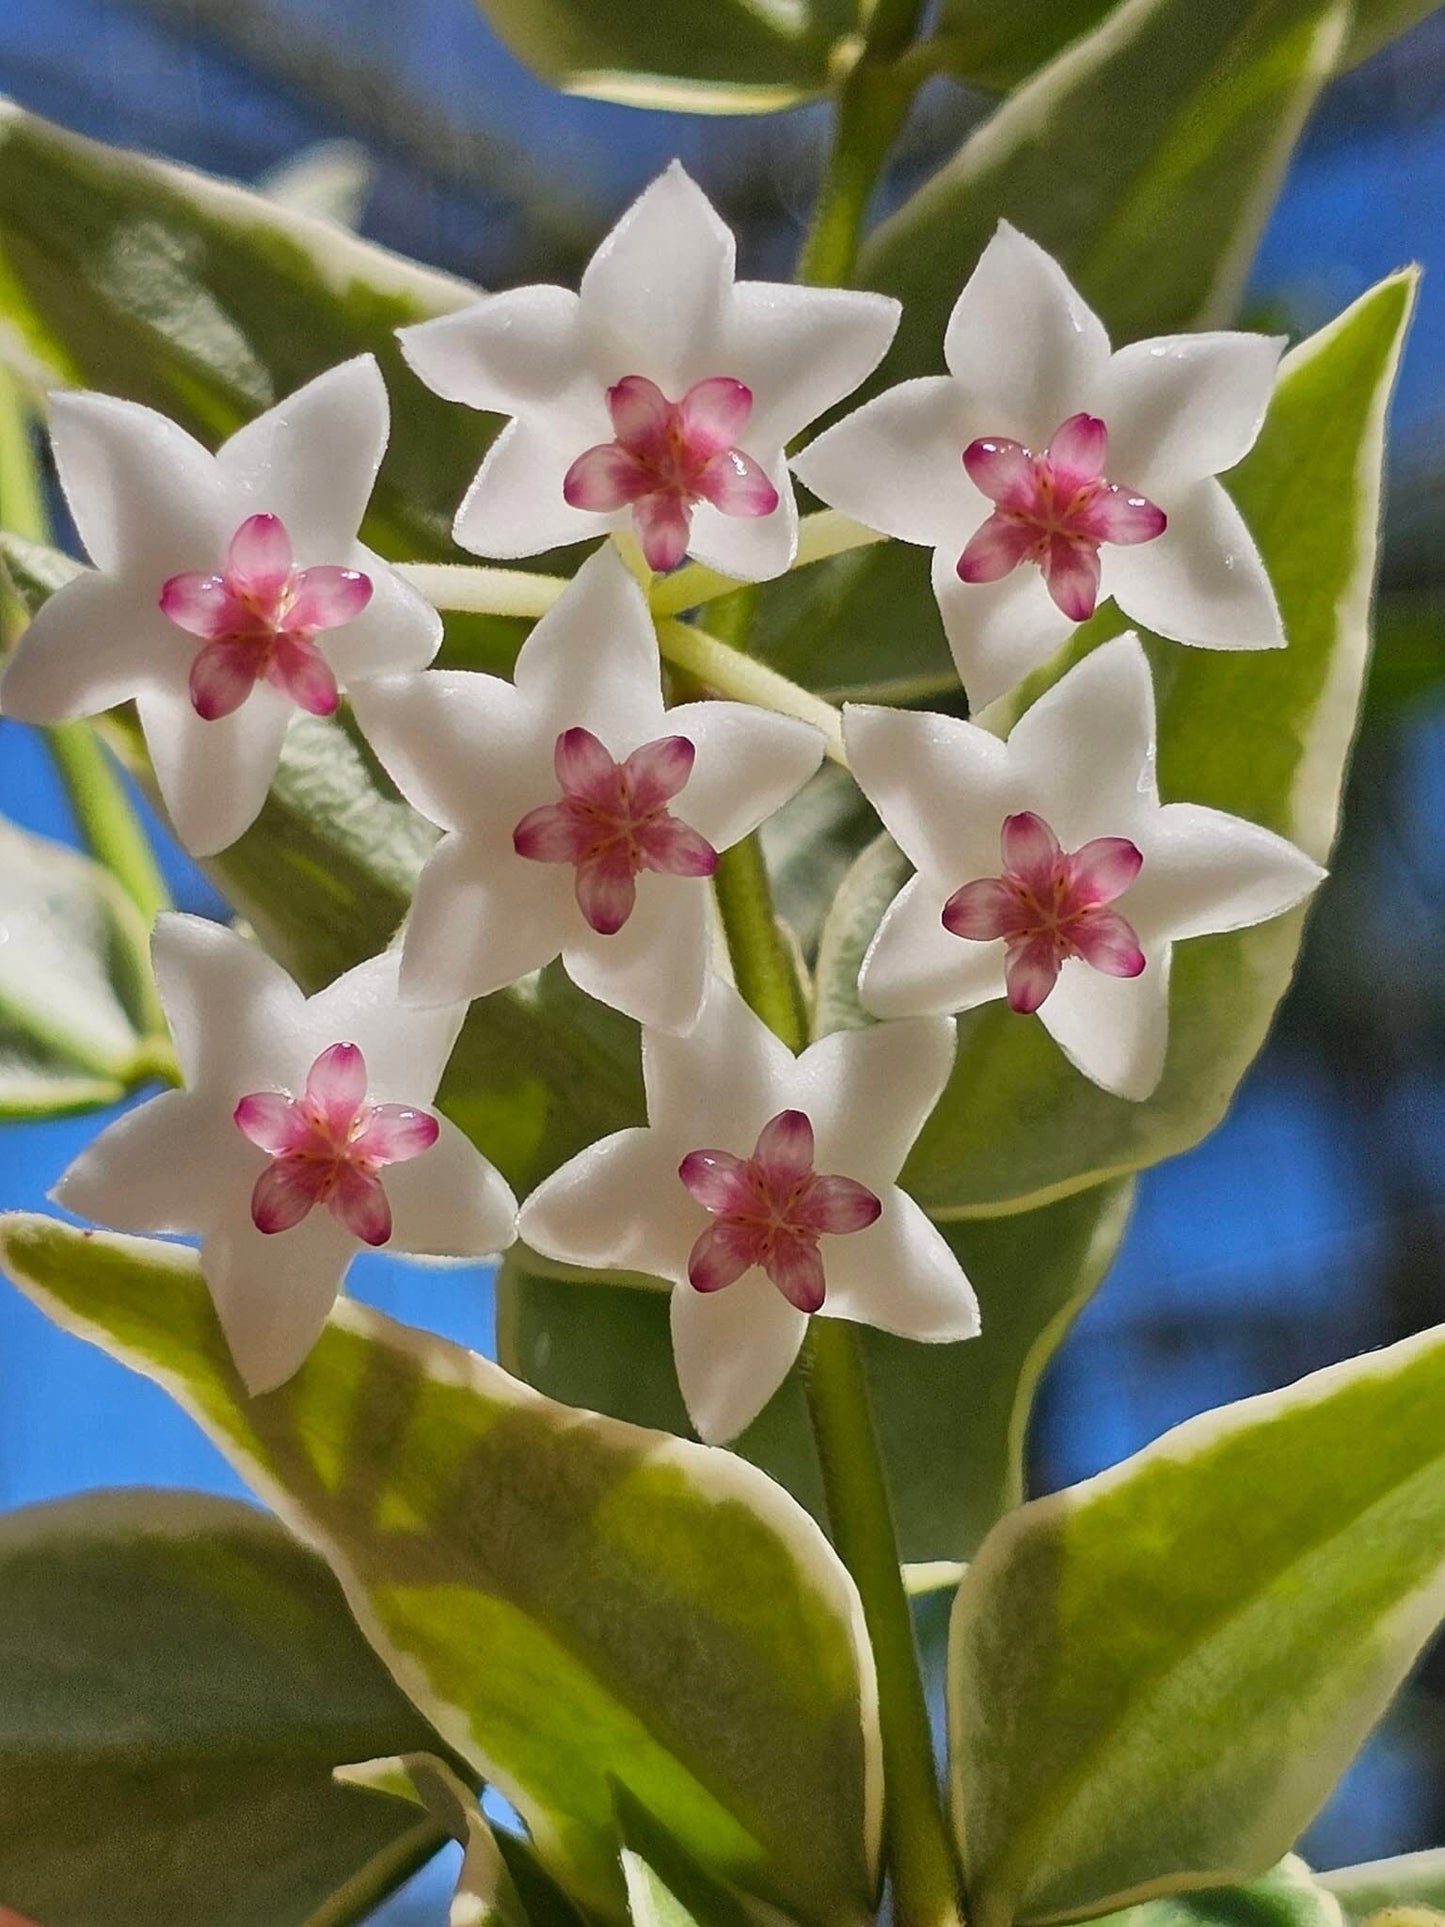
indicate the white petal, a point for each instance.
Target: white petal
{"x":916,"y":968}
{"x":313,"y":459}
{"x":1183,"y":406}
{"x":1085,"y":749}
{"x":749,"y":762}
{"x":1113,"y":1029}
{"x":593,"y":660}
{"x":510,"y":352}
{"x":171,"y":1166}
{"x":801,"y":350}
{"x":751,"y":548}
{"x":146,"y":497}
{"x":655,"y":967}
{"x":716,"y":1087}
{"x":901,"y":1276}
{"x":273,"y":1293}
{"x":91,"y":646}
{"x":655,"y":293}
{"x":406,"y":1047}
{"x":1021,"y":337}
{"x":941,"y":786}
{"x":733,"y":1349}
{"x":449,"y":1202}
{"x":515,"y":506}
{"x":869,"y":1092}
{"x":617,"y":1206}
{"x":1201,"y":581}
{"x":229,"y":1006}
{"x":999,"y":632}
{"x":397,"y":631}
{"x":213,"y":776}
{"x":481,"y":918}
{"x":1205,"y":870}
{"x":896,"y":464}
{"x":456,"y":743}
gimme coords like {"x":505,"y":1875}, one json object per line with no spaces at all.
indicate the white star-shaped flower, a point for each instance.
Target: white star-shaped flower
{"x":584,"y":818}
{"x":1050,"y":873}
{"x":661,"y":396}
{"x":1046,"y":474}
{"x":764,"y":1188}
{"x":229,"y":590}
{"x":302,"y":1133}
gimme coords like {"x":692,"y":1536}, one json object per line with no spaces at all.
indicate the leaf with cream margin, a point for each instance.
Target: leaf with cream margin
{"x":1407,"y":1880}
{"x":1156,"y":1677}
{"x":181,"y":1677}
{"x":73,"y":969}
{"x":573,"y":1603}
{"x":718,"y":57}
{"x":485,"y":1895}
{"x":1263,"y":735}
{"x":952,"y":1419}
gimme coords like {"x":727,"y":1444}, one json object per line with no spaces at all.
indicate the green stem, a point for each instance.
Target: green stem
{"x":721,"y":667}
{"x":106,"y":817}
{"x":918,"y":1845}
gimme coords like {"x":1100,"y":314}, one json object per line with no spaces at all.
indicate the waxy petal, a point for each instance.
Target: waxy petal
{"x":733,"y":1349}
{"x":749,"y":762}
{"x":273,"y":1293}
{"x":395,"y":1133}
{"x":126,"y":1176}
{"x":336,"y":1085}
{"x":1107,"y":703}
{"x":658,"y":771}
{"x":639,"y":410}
{"x":1184,"y":406}
{"x":998,"y":632}
{"x":1029,"y":849}
{"x":259,"y":560}
{"x":1003,"y":470}
{"x":507,"y":352}
{"x":270,"y":1120}
{"x":715,"y":412}
{"x":915,"y":967}
{"x":670,"y":848}
{"x":664,"y":529}
{"x":1203,"y":581}
{"x":1115,"y":1030}
{"x":202,"y":605}
{"x":785,"y":1148}
{"x":585,"y":767}
{"x":799,"y":350}
{"x":1071,"y":570}
{"x":550,"y":834}
{"x":722,"y":1254}
{"x":717,"y":1179}
{"x":284,"y":1192}
{"x":901,"y":1276}
{"x":223,"y":674}
{"x":1104,"y":868}
{"x":1207,"y":871}
{"x":981,"y":910}
{"x":735,"y":484}
{"x":838,"y":1204}
{"x":1030,"y":970}
{"x":326,"y":597}
{"x":359,"y":1201}
{"x":606,"y":892}
{"x":92,"y":645}
{"x":516,"y":505}
{"x":303,"y":673}
{"x":1077,"y":452}
{"x":655,"y":968}
{"x":1107,"y":942}
{"x":1124,"y":519}
{"x":1000,"y":545}
{"x":795,"y":1266}
{"x":606,"y":478}
{"x":894,"y":464}
{"x":451,"y":1203}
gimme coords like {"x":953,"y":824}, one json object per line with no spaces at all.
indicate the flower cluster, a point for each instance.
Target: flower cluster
{"x":582,"y":814}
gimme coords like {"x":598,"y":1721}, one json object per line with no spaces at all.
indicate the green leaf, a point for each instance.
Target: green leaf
{"x":1160,"y":140}
{"x":1264,"y":735}
{"x":1409,"y":1880}
{"x":72,"y":968}
{"x":997,"y":43}
{"x":1289,"y":1895}
{"x":952,"y":1419}
{"x":573,"y":1602}
{"x":485,"y":1894}
{"x":652,"y":1904}
{"x":210,"y":303}
{"x":181,"y":1676}
{"x":708,"y":57}
{"x":1156,"y":1676}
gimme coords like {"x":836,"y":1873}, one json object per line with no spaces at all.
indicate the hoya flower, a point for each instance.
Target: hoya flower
{"x":764,"y":1189}
{"x":1047,"y":474}
{"x":659,"y":398}
{"x":304,"y":1131}
{"x":583,"y":817}
{"x":230,"y":591}
{"x":1050,"y":873}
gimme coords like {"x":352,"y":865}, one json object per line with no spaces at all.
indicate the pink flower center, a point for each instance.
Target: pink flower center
{"x":668,"y":456}
{"x":259,"y":619}
{"x":770,"y":1209}
{"x":327,"y":1146}
{"x":613,"y":822}
{"x":1055,"y":509}
{"x":1048,"y":906}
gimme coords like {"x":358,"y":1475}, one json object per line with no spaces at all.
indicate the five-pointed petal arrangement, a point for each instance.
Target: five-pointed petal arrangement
{"x":1048,"y":870}
{"x":584,"y":817}
{"x":302,"y":1132}
{"x":1047,"y":473}
{"x":230,"y":592}
{"x":764,"y":1188}
{"x":659,"y":398}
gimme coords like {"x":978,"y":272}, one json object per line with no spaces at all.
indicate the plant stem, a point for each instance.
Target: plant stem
{"x":918,"y":1845}
{"x":106,"y":817}
{"x":827,"y":533}
{"x":718,"y":665}
{"x":873,"y":102}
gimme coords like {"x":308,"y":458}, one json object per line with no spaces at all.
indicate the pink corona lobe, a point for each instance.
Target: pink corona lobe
{"x":667,"y":457}
{"x":259,"y":619}
{"x":1049,"y":905}
{"x":1055,"y":509}
{"x":327,"y":1146}
{"x":770,"y":1210}
{"x":613,"y":822}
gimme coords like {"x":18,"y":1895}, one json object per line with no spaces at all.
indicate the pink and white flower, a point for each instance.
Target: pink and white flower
{"x":1047,"y":474}
{"x":1050,"y":873}
{"x":764,"y":1190}
{"x":583,"y":818}
{"x":230,"y":591}
{"x":304,"y":1131}
{"x":659,"y":398}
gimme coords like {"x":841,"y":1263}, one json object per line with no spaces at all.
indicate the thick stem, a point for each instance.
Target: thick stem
{"x":761,"y":963}
{"x":721,"y":667}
